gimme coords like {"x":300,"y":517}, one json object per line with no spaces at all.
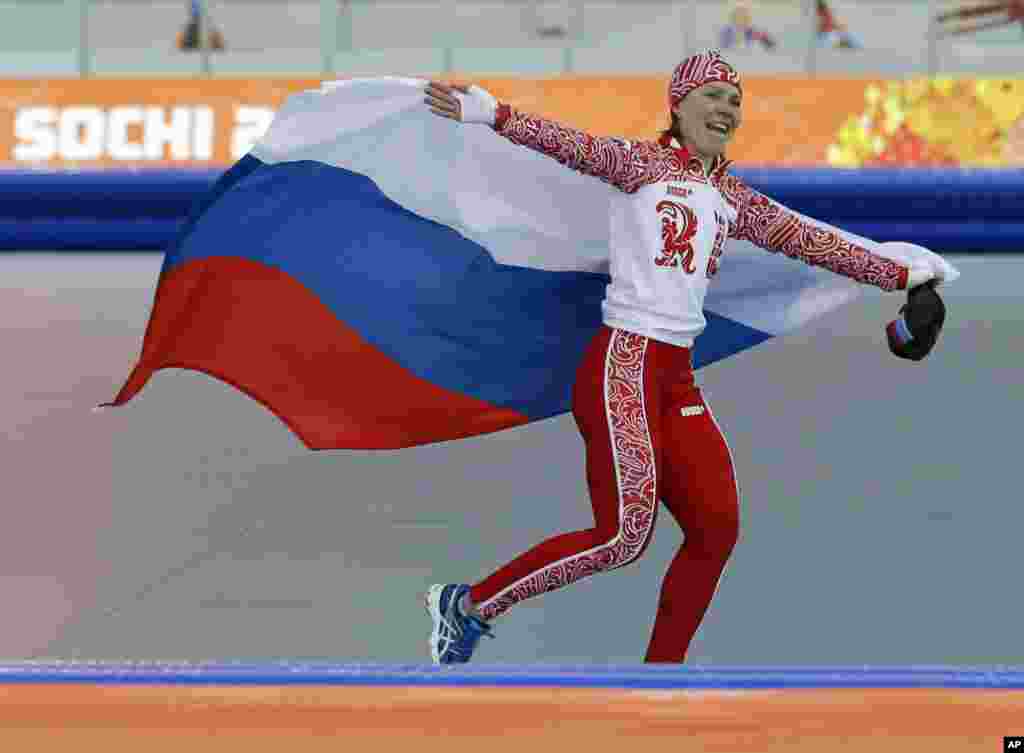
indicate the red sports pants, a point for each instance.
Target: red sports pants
{"x":649,"y":435}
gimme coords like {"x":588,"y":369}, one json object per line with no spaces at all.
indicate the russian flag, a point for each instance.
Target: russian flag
{"x":379,"y":277}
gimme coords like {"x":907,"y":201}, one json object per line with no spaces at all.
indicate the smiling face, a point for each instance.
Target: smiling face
{"x":708,"y":118}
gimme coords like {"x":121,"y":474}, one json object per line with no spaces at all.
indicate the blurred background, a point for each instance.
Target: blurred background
{"x":881,"y":500}
{"x":531,"y":37}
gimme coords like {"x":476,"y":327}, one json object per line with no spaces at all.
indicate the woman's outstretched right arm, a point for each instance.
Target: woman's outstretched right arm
{"x":621,"y":163}
{"x":616,"y":161}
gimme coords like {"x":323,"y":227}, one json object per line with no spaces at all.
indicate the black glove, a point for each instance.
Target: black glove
{"x":914,"y":334}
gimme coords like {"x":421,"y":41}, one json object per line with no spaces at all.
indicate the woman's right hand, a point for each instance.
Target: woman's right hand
{"x":463,"y":104}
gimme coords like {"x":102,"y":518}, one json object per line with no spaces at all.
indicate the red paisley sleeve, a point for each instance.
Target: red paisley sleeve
{"x":624,"y":164}
{"x":770,"y":226}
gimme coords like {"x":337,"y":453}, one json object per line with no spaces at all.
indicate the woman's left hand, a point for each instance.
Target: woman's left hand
{"x":924,"y":265}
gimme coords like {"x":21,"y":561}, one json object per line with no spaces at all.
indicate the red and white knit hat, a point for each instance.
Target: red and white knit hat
{"x":697,"y":70}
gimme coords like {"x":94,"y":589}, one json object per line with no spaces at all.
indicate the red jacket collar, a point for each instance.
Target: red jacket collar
{"x":717,"y":167}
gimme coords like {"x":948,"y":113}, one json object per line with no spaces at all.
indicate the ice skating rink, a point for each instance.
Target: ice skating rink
{"x":880,"y":501}
{"x":881,"y":526}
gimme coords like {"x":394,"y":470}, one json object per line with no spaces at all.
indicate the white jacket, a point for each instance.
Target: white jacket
{"x":670,"y":223}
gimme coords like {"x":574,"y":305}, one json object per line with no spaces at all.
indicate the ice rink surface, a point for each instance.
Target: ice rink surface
{"x":881,"y":501}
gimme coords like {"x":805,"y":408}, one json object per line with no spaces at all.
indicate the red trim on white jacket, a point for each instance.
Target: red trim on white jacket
{"x":631,"y":165}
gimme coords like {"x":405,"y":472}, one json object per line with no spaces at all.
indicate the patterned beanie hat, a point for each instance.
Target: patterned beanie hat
{"x":697,"y":70}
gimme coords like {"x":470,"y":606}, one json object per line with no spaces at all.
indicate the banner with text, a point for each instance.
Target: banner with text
{"x":798,"y":122}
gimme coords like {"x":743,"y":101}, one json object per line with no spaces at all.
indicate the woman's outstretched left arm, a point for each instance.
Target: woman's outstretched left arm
{"x":772,"y":227}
